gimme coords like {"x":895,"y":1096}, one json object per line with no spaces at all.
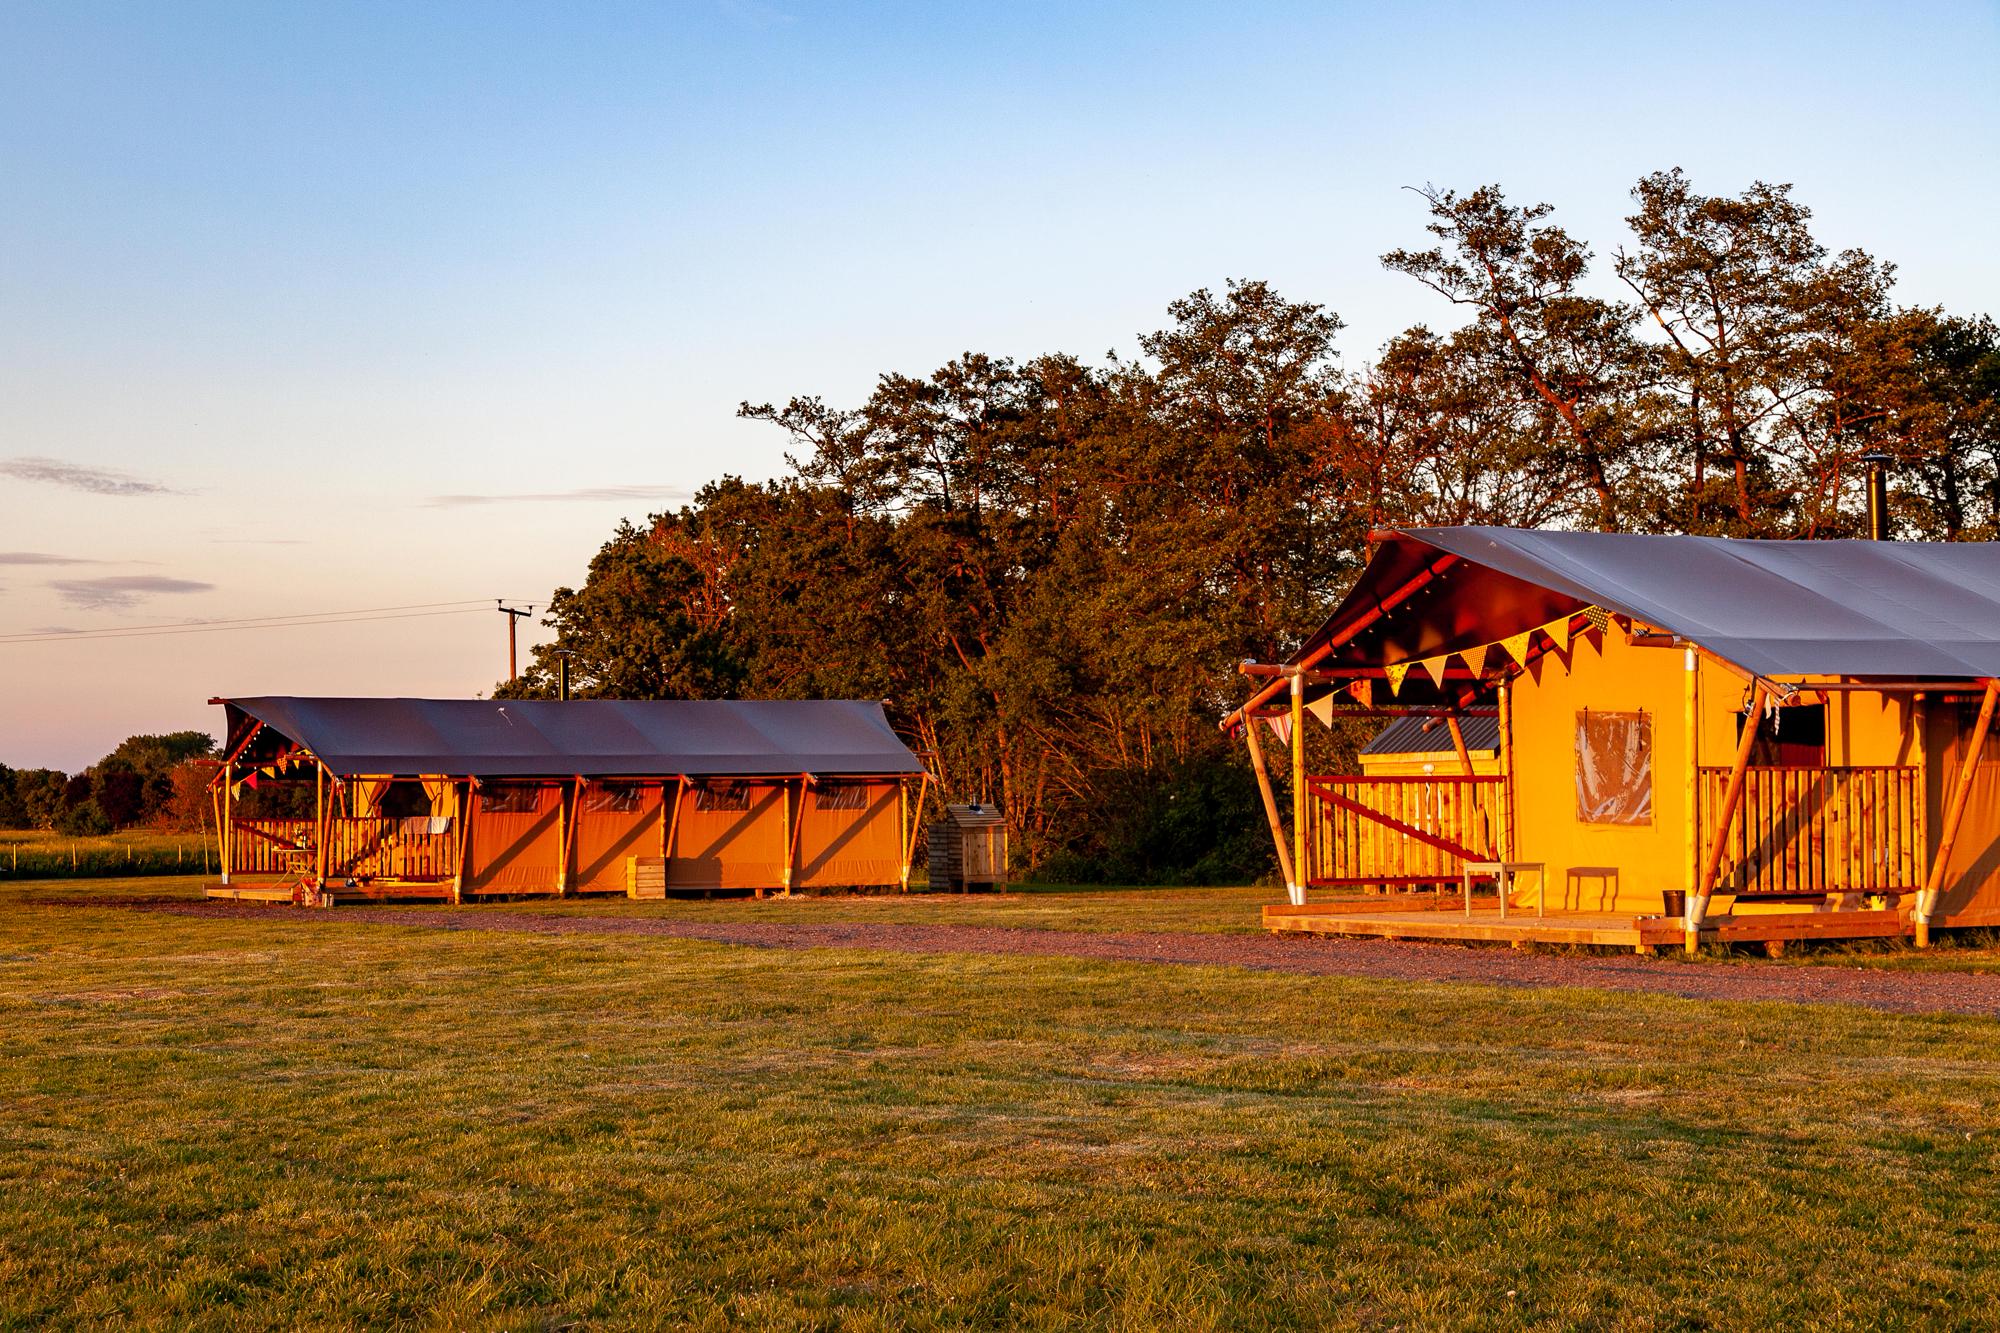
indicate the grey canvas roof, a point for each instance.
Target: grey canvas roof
{"x":1915,"y":610}
{"x":1406,"y":735}
{"x":583,"y":737}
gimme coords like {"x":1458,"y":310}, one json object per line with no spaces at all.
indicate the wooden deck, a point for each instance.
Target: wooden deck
{"x":1425,"y":918}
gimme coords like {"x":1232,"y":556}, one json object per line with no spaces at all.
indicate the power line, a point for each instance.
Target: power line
{"x":415,"y":611}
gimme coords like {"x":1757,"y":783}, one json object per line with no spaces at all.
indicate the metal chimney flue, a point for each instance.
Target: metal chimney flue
{"x":1878,"y":495}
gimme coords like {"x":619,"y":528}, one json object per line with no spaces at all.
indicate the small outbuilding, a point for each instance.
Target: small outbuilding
{"x":462,"y":798}
{"x":968,"y":847}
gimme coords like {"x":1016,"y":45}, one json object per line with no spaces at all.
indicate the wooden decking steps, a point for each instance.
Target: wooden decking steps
{"x":1424,"y":919}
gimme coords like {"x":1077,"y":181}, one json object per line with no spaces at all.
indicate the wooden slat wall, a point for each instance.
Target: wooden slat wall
{"x":1345,"y":847}
{"x":356,"y":848}
{"x":1820,"y":830}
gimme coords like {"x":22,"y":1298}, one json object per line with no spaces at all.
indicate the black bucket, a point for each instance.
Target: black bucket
{"x":1677,"y":901}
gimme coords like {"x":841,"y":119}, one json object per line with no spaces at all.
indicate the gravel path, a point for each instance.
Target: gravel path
{"x":1897,"y":992}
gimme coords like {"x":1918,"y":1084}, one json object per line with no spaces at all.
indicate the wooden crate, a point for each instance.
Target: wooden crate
{"x":968,"y":845}
{"x":645,"y":877}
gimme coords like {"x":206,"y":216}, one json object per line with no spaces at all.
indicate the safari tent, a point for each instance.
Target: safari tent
{"x":459,"y":798}
{"x":1697,"y":738}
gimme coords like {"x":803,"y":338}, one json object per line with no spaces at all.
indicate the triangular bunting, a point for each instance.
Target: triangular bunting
{"x":1281,"y":726}
{"x":1475,"y":660}
{"x":1322,"y":708}
{"x":1559,"y":631}
{"x":1598,"y":618}
{"x":1434,"y":667}
{"x":1517,"y":647}
{"x":1363,"y":692}
{"x":1395,"y":671}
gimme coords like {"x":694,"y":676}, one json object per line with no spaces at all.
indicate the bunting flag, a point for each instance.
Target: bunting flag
{"x":1395,"y":671}
{"x":1434,"y":667}
{"x":1475,"y":660}
{"x":1363,"y":692}
{"x":1322,"y":708}
{"x":1598,"y":617}
{"x":1281,"y":726}
{"x":1517,"y":647}
{"x":1559,"y":631}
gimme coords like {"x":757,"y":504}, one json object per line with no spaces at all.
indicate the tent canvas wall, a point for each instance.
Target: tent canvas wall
{"x":463,"y":798}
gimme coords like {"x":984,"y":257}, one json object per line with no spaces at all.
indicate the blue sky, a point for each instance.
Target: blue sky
{"x":287,"y":278}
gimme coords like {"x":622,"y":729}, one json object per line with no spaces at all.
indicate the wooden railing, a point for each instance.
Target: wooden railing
{"x":1409,"y":830}
{"x":1802,"y":831}
{"x":356,"y":848}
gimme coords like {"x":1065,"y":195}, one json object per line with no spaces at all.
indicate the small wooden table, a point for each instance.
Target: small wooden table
{"x":1502,"y":873}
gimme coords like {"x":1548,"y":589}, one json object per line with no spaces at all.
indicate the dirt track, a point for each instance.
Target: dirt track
{"x":1898,"y":992}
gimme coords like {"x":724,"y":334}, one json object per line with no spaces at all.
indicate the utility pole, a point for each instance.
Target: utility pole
{"x":513,"y":615}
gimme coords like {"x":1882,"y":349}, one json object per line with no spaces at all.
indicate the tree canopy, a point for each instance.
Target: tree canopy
{"x":1051,"y":569}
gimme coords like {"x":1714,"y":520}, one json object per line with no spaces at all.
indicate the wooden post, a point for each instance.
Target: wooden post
{"x":1691,"y":723}
{"x":1968,"y":768}
{"x":916,"y":828}
{"x":672,"y":822}
{"x":464,"y":839}
{"x":1458,"y":744}
{"x":567,"y":831}
{"x":792,"y":840}
{"x":1505,"y":722}
{"x":1295,"y":892}
{"x":319,"y":832}
{"x":1299,"y":862}
{"x":228,"y":827}
{"x":1732,"y":796}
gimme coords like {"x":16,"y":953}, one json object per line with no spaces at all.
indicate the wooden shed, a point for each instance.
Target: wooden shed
{"x":463,"y":798}
{"x":1697,"y":739}
{"x":969,"y":846}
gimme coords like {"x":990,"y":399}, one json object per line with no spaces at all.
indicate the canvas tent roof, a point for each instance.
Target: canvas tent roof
{"x":1913,"y":610}
{"x":583,"y":737}
{"x":1406,"y":735}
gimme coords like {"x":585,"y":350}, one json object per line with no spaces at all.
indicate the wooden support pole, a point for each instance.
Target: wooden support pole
{"x":464,"y":839}
{"x":1968,"y":769}
{"x":1299,"y":797}
{"x":798,"y":827}
{"x":1691,"y":740}
{"x":228,"y":816}
{"x":1725,"y":818}
{"x":670,"y":834}
{"x":1295,"y":892}
{"x":568,"y":832}
{"x":916,"y":829}
{"x":1458,"y":744}
{"x":1507,"y":814}
{"x":319,"y":834}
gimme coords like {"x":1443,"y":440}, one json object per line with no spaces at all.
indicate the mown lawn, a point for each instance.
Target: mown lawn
{"x":231,"y":1123}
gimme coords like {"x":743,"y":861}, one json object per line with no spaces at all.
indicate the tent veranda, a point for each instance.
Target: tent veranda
{"x":1855,"y":802}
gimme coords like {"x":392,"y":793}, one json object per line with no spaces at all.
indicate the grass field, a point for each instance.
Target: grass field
{"x":32,"y":854}
{"x":239,"y":1123}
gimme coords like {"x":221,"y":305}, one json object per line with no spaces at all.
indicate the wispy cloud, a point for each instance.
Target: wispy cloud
{"x":43,"y":558}
{"x":78,"y":477}
{"x":121,"y":592}
{"x":585,"y":493}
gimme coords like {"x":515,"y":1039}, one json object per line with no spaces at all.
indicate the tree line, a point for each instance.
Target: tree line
{"x":1050,"y":568}
{"x":154,"y":781}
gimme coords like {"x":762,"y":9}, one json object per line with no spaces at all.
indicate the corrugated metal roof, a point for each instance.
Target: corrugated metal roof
{"x":585,"y":737}
{"x":1919,"y":610}
{"x":1406,"y":735}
